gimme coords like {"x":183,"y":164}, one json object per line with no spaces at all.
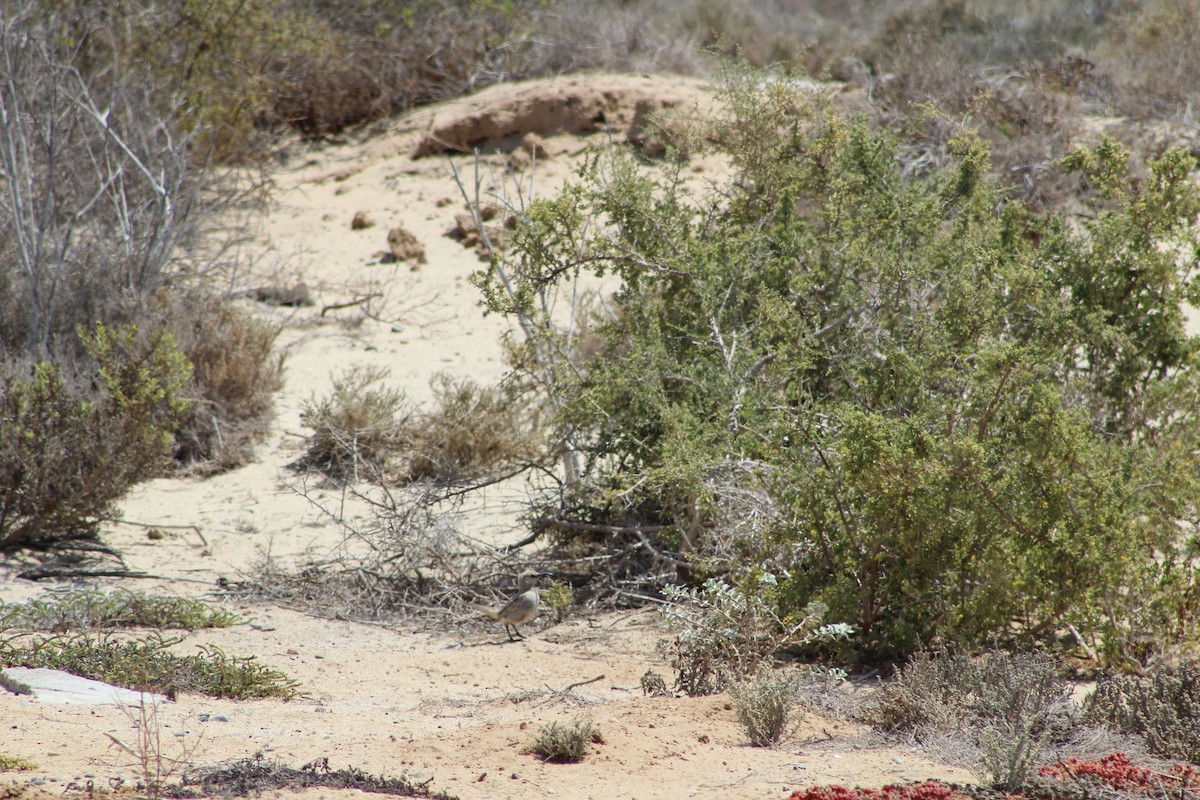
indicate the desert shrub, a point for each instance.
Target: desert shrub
{"x":235,"y":374}
{"x":93,"y":203}
{"x":1004,"y":707}
{"x":765,"y":705}
{"x":1151,"y":53}
{"x":967,"y":421}
{"x":89,"y":610}
{"x":1163,"y":708}
{"x":470,"y":430}
{"x":983,"y":67}
{"x":357,"y":428}
{"x":565,"y":744}
{"x":726,"y":634}
{"x":71,"y":445}
{"x":256,"y":774}
{"x":148,"y":665}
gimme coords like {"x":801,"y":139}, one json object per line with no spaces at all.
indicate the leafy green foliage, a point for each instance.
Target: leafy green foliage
{"x":69,"y":450}
{"x":961,"y":420}
{"x":148,"y":665}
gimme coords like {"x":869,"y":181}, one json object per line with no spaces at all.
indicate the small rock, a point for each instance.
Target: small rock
{"x":404,"y":246}
{"x":220,"y":718}
{"x":298,"y":295}
{"x":518,"y":161}
{"x":442,"y":202}
{"x":535,"y":146}
{"x":321,"y":710}
{"x":262,"y":626}
{"x":202,"y":717}
{"x":361,"y":220}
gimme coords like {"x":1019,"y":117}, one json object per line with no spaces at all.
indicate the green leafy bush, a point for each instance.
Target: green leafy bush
{"x":70,"y":446}
{"x":959,"y":420}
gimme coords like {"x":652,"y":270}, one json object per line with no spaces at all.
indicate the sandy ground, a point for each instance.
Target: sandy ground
{"x":457,"y":705}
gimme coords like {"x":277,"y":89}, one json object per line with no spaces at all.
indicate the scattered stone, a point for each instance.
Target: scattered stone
{"x":442,"y":202}
{"x":404,"y":246}
{"x":518,"y":161}
{"x":361,"y":220}
{"x":535,"y":146}
{"x":468,"y":233}
{"x":298,"y":295}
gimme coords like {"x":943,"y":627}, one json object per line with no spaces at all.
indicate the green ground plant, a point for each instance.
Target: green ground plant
{"x":91,"y":610}
{"x":8,"y":763}
{"x":962,"y":420}
{"x":148,"y":665}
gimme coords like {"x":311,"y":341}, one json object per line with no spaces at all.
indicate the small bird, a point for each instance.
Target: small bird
{"x":517,"y":611}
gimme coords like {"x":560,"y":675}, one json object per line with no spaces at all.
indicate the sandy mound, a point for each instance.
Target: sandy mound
{"x":499,"y":117}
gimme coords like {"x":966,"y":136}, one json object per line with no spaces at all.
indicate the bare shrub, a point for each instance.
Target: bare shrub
{"x":1163,"y":708}
{"x":955,"y":58}
{"x":154,"y":764}
{"x":565,"y":744}
{"x":1151,"y":53}
{"x":470,"y":430}
{"x":765,"y":705}
{"x":235,"y":373}
{"x":1002,"y":709}
{"x":357,"y":428}
{"x":99,"y":187}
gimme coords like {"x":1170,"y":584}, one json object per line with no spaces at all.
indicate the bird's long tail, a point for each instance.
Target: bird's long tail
{"x":491,"y":612}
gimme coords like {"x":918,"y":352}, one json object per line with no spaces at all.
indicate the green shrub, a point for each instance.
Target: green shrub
{"x":1163,"y":708}
{"x":961,"y":420}
{"x":71,"y":446}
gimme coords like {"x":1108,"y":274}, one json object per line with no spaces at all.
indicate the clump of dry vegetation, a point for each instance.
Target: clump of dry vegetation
{"x":357,"y":428}
{"x":766,"y":705}
{"x":364,"y":429}
{"x":1162,"y":707}
{"x":565,"y":744}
